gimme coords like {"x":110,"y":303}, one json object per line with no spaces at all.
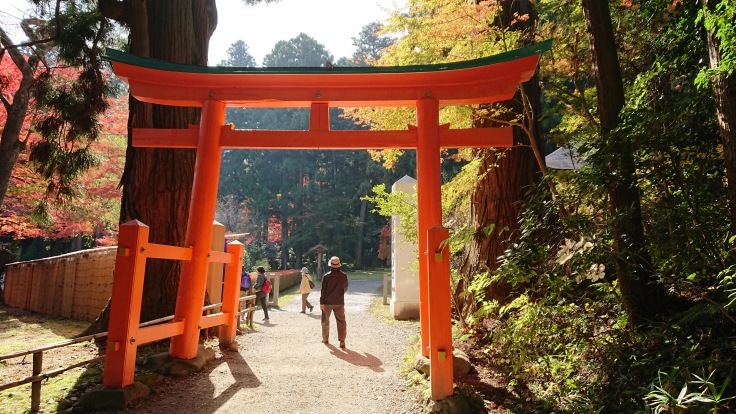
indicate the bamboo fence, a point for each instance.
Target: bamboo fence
{"x":75,"y":285}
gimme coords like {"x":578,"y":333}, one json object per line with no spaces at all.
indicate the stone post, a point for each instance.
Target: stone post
{"x":404,"y":279}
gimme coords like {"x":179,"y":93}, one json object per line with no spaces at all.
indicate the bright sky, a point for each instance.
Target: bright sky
{"x":332,"y":23}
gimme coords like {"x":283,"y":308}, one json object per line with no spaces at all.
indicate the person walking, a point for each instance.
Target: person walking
{"x":245,"y":286}
{"x":260,"y":295}
{"x":305,"y":288}
{"x":332,"y":299}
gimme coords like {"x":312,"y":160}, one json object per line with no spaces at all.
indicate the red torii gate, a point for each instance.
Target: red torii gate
{"x":425,"y":87}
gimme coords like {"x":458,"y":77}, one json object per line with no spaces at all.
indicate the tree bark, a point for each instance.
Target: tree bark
{"x":724,"y":91}
{"x":495,"y":202}
{"x":299,"y":221}
{"x":10,"y":142}
{"x":361,"y":234}
{"x":284,"y":238}
{"x":643,"y":297}
{"x":157,"y":183}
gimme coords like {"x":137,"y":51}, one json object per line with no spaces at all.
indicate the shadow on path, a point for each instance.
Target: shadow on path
{"x":368,"y":361}
{"x":289,"y":370}
{"x":244,"y":378}
{"x":198,"y":394}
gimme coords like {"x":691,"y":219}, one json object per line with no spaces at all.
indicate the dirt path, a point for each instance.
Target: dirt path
{"x":283,"y":367}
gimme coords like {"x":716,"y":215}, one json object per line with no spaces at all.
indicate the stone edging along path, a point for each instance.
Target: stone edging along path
{"x":283,"y":366}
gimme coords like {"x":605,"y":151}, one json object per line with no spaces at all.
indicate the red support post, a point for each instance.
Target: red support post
{"x":231,"y":293}
{"x":125,"y":305}
{"x":193,"y":281}
{"x":440,"y":316}
{"x":429,"y":211}
{"x":319,"y":117}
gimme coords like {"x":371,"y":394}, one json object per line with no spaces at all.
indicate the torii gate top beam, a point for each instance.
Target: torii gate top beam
{"x":425,"y":87}
{"x":484,"y":80}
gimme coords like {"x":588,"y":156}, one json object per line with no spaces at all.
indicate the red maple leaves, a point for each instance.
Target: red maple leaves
{"x":96,"y":210}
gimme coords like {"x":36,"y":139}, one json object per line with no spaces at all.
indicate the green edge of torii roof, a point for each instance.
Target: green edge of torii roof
{"x":135,"y":60}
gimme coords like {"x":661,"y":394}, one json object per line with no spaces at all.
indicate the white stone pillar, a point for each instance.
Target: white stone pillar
{"x":404,"y":266}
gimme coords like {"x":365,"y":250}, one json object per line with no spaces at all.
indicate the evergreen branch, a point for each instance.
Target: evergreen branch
{"x":720,"y":308}
{"x":571,"y":101}
{"x":28,"y":132}
{"x":31,"y":43}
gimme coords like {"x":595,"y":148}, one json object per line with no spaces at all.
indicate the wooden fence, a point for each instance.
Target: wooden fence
{"x":78,"y":285}
{"x":38,"y":375}
{"x":75,"y":285}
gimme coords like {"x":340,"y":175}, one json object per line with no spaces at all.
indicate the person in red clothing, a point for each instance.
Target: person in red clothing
{"x":332,"y":299}
{"x":261,"y":297}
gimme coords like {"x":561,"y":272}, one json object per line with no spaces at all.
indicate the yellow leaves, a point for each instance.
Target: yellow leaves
{"x":441,"y":31}
{"x":571,"y":123}
{"x":436,"y":31}
{"x":457,"y":116}
{"x":388,"y":157}
{"x":381,"y":118}
{"x":456,"y":194}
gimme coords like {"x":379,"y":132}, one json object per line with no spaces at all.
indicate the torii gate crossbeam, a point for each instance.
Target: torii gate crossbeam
{"x":426,"y":87}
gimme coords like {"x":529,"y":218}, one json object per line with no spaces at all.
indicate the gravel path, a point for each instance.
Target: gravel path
{"x":283,"y":367}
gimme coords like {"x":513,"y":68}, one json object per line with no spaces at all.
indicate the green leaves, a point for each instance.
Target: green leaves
{"x":238,"y":55}
{"x":719,"y":18}
{"x":301,"y":50}
{"x":708,"y":397}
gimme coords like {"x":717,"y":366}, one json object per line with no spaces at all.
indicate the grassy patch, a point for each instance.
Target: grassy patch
{"x":18,"y":400}
{"x":19,"y":331}
{"x":289,"y":294}
{"x":368,"y":274}
{"x":381,"y":311}
{"x":416,"y":382}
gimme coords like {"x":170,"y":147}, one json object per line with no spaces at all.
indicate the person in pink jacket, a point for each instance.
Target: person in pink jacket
{"x":305,"y":288}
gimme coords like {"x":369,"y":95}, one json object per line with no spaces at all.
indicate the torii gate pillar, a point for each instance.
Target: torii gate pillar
{"x":193,"y":281}
{"x":486,"y":80}
{"x":434,"y":280}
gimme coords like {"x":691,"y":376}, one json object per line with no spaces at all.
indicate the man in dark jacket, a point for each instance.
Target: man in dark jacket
{"x":332,"y":299}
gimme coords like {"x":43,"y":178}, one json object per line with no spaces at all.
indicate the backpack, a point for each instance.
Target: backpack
{"x":266,"y":288}
{"x":311,"y":284}
{"x":245,"y":280}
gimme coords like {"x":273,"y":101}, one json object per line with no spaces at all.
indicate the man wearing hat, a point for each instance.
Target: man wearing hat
{"x":332,"y":299}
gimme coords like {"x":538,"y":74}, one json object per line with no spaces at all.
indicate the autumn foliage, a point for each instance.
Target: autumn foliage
{"x":95,"y":210}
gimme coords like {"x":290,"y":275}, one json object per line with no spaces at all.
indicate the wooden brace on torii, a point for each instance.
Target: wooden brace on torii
{"x":425,"y":87}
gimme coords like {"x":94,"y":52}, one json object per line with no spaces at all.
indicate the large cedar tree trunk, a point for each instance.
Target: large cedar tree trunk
{"x":495,"y":202}
{"x":724,"y":90}
{"x":362,"y":224}
{"x":643,"y":297}
{"x":299,"y":220}
{"x":157,"y":183}
{"x":359,"y":245}
{"x":284,"y":239}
